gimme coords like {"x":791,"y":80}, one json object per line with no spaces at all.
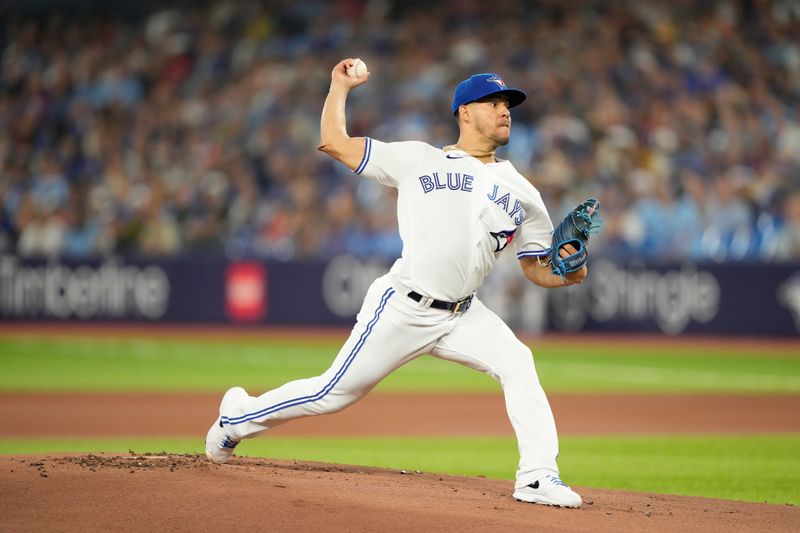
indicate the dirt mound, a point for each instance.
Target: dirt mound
{"x":169,"y":492}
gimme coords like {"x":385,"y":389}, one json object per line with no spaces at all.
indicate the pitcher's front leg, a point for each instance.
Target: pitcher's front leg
{"x":366,"y":357}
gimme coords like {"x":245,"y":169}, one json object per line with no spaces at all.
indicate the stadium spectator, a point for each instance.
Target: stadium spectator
{"x":171,"y":132}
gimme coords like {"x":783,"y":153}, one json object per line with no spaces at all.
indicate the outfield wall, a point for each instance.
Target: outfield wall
{"x":729,"y":299}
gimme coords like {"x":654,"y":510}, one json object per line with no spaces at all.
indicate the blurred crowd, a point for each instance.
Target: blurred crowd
{"x":194,"y":130}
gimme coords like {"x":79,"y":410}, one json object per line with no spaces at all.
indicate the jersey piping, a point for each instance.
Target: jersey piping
{"x":539,"y":253}
{"x":365,"y":158}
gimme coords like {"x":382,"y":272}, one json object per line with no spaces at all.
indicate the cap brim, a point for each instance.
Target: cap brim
{"x":515,"y":97}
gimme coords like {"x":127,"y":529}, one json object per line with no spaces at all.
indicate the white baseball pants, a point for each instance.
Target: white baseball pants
{"x":391,"y":330}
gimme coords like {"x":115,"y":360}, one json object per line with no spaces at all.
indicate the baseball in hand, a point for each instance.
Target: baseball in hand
{"x":358,"y":69}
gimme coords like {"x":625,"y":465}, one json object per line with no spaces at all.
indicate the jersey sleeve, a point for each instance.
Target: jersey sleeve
{"x":390,"y":163}
{"x":535,"y":232}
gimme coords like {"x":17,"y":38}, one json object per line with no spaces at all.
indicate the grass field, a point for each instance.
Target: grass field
{"x":754,"y":468}
{"x":155,"y":364}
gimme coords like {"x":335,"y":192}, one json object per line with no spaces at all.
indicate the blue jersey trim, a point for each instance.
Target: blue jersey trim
{"x":365,"y":159}
{"x":540,"y":253}
{"x":233,"y":421}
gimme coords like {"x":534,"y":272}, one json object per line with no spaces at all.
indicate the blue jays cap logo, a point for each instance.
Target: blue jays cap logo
{"x":479,"y":86}
{"x":498,"y":80}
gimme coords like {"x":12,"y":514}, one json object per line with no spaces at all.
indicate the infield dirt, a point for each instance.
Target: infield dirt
{"x":187,"y":493}
{"x":107,"y":492}
{"x":189,"y":414}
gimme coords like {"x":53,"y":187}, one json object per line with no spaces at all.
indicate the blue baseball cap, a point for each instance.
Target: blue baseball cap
{"x":479,"y":86}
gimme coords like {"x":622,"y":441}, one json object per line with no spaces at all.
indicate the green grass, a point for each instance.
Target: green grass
{"x":753,"y":468}
{"x":102,"y":364}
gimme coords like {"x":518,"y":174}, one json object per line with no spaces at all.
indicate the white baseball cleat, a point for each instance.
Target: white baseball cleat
{"x":220,"y":445}
{"x":549,"y":490}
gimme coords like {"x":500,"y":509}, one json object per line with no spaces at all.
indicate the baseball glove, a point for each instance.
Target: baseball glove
{"x":574,"y":229}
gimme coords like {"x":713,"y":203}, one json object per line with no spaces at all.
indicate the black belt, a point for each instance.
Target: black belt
{"x":456,"y":307}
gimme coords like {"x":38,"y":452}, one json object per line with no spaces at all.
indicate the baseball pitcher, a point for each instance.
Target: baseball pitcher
{"x":458,"y":209}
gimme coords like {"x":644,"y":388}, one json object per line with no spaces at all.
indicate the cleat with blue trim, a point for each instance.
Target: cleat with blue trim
{"x":549,"y":490}
{"x":219,"y":444}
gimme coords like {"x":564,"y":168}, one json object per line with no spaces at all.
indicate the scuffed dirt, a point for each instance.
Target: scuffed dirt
{"x":167,"y":492}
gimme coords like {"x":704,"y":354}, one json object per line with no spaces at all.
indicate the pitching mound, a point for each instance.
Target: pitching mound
{"x":187,"y":493}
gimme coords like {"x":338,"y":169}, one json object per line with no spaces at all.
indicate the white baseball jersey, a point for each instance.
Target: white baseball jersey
{"x":455,"y":215}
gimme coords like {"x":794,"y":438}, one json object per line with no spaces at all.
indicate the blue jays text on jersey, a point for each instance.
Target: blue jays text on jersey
{"x":453,"y":181}
{"x":514,"y":210}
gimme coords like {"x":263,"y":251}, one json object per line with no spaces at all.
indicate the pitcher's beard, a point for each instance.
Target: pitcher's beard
{"x":500,"y":141}
{"x":497,"y":140}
